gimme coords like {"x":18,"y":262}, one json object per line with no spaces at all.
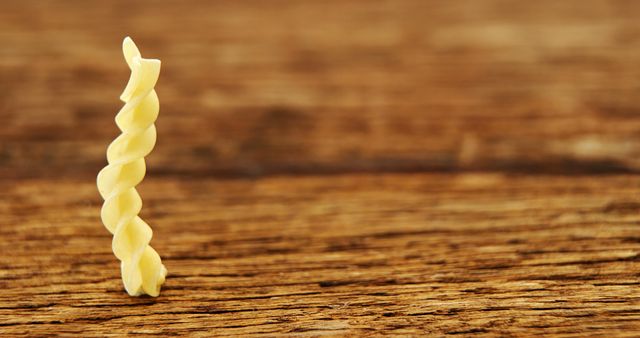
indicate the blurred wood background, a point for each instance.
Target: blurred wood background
{"x":260,"y":87}
{"x":344,"y":167}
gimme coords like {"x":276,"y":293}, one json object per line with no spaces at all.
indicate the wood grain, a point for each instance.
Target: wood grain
{"x":252,"y":87}
{"x":421,"y":254}
{"x":329,"y":168}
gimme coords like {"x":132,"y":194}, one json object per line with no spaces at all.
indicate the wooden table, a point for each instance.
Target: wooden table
{"x":330,"y":167}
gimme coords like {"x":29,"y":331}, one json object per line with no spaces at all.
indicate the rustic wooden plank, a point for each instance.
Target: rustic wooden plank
{"x":301,"y":89}
{"x":402,"y":254}
{"x":251,"y":88}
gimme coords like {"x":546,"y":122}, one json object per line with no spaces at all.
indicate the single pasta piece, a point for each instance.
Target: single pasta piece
{"x":142,"y":269}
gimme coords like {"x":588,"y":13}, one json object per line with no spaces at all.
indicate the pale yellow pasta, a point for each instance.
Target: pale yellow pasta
{"x":142,"y":269}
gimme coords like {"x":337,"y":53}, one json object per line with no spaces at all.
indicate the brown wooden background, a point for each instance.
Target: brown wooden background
{"x":330,"y":167}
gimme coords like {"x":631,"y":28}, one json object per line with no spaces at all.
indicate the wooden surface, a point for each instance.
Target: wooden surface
{"x":341,"y":167}
{"x":346,"y":255}
{"x":260,"y":87}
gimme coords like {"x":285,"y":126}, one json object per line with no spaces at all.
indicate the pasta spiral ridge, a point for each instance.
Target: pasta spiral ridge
{"x":141,"y":266}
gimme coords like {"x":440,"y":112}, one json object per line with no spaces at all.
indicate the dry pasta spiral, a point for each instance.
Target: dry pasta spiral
{"x":142,"y":269}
